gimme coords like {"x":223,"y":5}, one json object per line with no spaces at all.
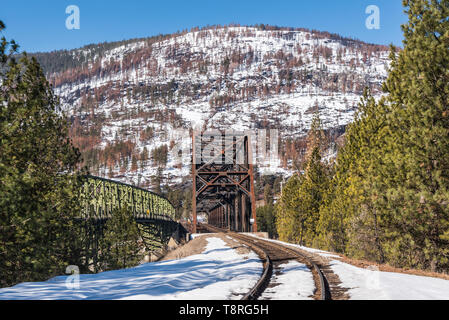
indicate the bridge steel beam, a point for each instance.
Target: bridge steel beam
{"x":101,"y":196}
{"x":154,"y":213}
{"x":223,"y":180}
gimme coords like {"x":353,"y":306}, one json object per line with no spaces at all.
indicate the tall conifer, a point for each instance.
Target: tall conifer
{"x":38,"y":173}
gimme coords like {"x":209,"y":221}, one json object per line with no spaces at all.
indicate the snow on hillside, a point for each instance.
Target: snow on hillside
{"x":219,"y":273}
{"x":227,"y":78}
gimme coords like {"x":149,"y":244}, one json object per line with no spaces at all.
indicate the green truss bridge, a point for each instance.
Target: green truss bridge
{"x":154,"y":213}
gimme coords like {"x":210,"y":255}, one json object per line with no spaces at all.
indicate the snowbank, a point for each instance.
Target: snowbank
{"x":218,"y":273}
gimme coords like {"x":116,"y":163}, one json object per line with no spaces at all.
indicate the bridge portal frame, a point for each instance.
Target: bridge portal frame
{"x":223,"y":182}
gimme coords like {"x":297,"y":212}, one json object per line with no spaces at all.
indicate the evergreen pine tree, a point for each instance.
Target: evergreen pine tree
{"x":298,"y":211}
{"x":266,"y":220}
{"x":121,"y":245}
{"x":389,"y":197}
{"x":418,"y":143}
{"x":350,"y":213}
{"x":39,"y":184}
{"x":314,"y":184}
{"x":287,"y":211}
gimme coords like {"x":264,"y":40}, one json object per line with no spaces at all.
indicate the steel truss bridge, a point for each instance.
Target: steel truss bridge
{"x":223,"y":180}
{"x":153,"y":213}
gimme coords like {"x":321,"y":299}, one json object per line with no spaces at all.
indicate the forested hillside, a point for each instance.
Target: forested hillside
{"x":126,"y":98}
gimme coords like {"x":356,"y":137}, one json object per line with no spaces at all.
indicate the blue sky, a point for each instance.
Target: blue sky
{"x":40,"y":25}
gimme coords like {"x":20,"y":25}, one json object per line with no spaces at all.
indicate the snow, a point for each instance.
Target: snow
{"x":366,"y":284}
{"x":218,"y":273}
{"x":372,"y":284}
{"x":295,"y":282}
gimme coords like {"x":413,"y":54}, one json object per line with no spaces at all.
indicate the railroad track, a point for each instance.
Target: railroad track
{"x":273,"y":254}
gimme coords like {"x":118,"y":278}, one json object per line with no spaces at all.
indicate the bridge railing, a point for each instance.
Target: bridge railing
{"x":101,"y":196}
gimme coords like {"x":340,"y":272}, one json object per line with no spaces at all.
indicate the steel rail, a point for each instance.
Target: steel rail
{"x":262,"y":283}
{"x":264,"y":279}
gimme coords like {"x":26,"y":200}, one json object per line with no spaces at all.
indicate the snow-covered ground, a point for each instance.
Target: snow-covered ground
{"x":372,"y":284}
{"x":295,"y":282}
{"x":219,"y":273}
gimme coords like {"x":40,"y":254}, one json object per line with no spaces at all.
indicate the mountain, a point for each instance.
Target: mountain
{"x":125,"y":99}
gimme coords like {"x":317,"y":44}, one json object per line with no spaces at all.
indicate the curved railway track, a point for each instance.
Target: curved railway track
{"x":273,"y":254}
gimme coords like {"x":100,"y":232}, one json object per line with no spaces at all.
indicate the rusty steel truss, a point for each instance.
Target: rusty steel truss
{"x":223,"y":180}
